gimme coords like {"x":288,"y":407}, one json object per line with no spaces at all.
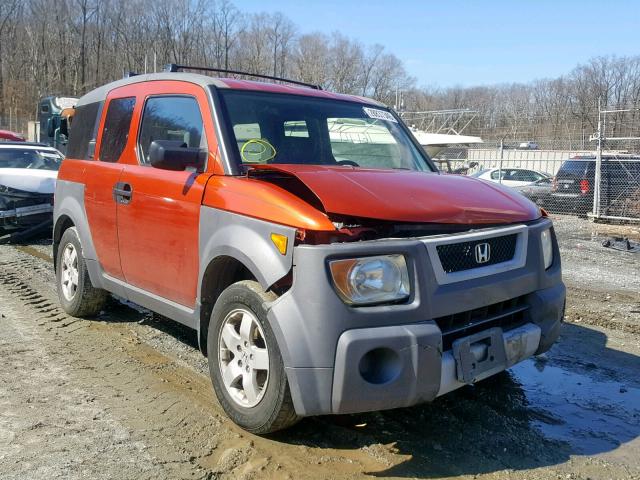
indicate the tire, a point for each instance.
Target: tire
{"x":265,"y":406}
{"x":78,"y":296}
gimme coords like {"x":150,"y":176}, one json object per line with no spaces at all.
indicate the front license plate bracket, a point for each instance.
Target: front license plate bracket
{"x":480,"y":355}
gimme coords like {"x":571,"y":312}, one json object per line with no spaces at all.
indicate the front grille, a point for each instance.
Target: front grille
{"x":507,"y":315}
{"x":457,"y":257}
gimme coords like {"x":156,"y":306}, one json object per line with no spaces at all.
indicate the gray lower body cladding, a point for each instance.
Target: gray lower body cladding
{"x":329,"y":348}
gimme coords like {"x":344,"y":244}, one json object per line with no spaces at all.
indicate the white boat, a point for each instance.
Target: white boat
{"x":434,"y":143}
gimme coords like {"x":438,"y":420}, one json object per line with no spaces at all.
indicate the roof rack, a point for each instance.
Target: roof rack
{"x":172,"y":67}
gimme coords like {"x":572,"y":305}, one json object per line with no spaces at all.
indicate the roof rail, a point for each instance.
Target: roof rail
{"x":172,"y":67}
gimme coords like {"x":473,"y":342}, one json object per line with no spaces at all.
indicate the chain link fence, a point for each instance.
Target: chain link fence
{"x":584,"y":164}
{"x":563,"y":181}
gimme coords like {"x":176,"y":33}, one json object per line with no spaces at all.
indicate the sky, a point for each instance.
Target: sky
{"x":449,"y":43}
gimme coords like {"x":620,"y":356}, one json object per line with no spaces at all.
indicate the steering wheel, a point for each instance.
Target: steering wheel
{"x":347,"y":162}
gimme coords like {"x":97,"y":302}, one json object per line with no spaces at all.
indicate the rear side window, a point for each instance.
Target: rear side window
{"x":116,"y":128}
{"x":170,"y":118}
{"x":574,"y":168}
{"x":84,"y":127}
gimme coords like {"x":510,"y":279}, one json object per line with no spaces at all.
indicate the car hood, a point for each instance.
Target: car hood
{"x":27,"y":180}
{"x":409,"y":196}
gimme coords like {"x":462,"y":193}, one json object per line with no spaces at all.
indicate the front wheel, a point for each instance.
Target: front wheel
{"x":245,"y":364}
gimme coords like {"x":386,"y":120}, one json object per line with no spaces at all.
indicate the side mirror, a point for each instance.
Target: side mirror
{"x":51,"y":126}
{"x":174,"y":155}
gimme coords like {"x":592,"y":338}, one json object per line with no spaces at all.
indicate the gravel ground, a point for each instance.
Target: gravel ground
{"x":127,"y":395}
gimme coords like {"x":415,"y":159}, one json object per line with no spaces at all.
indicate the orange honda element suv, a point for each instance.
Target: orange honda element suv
{"x":325,"y":264}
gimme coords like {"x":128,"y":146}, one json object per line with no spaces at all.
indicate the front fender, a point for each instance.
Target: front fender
{"x":246,"y":239}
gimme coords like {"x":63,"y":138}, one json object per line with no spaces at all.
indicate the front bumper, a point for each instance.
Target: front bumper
{"x":327,"y":346}
{"x":20,"y":210}
{"x":571,"y":203}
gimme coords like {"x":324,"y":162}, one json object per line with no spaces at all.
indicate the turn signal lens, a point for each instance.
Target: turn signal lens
{"x":547,"y":248}
{"x":371,"y":280}
{"x":280,"y":241}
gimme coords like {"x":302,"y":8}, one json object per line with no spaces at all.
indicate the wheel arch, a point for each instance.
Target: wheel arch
{"x":221,"y":272}
{"x":234,"y":247}
{"x":63,"y":223}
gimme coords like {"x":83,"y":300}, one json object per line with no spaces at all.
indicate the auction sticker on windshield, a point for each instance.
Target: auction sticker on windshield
{"x":379,"y":114}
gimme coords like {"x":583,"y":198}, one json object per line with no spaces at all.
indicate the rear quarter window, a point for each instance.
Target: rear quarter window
{"x":83,"y":131}
{"x":573,"y":168}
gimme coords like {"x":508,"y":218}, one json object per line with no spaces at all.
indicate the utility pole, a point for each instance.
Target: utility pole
{"x":598,"y":175}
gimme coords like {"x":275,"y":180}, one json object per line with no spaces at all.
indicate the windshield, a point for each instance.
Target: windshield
{"x":34,"y":159}
{"x":270,"y":128}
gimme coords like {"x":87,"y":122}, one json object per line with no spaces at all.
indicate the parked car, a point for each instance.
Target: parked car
{"x":28,"y":174}
{"x":511,"y":177}
{"x":538,"y":192}
{"x":8,"y":136}
{"x":528,"y":146}
{"x":573,"y":186}
{"x":308,"y":239}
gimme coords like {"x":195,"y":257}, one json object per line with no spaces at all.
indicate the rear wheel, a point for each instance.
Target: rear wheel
{"x":245,"y":364}
{"x":77,"y":294}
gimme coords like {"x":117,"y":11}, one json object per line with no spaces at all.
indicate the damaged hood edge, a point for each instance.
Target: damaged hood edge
{"x":409,"y":196}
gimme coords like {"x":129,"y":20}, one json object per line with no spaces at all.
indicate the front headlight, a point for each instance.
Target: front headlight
{"x":370,"y":280}
{"x":547,"y":248}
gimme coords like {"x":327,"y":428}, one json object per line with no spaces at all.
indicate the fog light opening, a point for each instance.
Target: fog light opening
{"x":380,"y":366}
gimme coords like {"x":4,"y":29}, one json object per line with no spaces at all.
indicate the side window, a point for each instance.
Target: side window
{"x":495,"y":175}
{"x":116,"y":128}
{"x":84,"y":128}
{"x":529,"y":176}
{"x":520,"y":176}
{"x":170,"y":118}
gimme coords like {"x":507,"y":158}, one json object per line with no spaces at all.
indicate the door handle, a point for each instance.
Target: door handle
{"x":122,"y":192}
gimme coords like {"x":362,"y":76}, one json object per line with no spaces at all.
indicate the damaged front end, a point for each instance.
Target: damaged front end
{"x":24,"y":214}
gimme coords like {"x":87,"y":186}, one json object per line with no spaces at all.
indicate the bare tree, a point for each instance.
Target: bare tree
{"x":8,"y":10}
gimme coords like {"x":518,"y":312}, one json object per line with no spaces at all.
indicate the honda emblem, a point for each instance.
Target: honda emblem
{"x":483,"y":252}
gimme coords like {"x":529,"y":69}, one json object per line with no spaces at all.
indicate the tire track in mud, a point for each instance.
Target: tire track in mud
{"x":162,"y":402}
{"x":41,"y":403}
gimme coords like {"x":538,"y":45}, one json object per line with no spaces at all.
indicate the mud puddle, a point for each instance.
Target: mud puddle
{"x":591,"y":415}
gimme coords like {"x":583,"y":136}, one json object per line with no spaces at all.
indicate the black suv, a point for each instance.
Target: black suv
{"x":573,"y":185}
